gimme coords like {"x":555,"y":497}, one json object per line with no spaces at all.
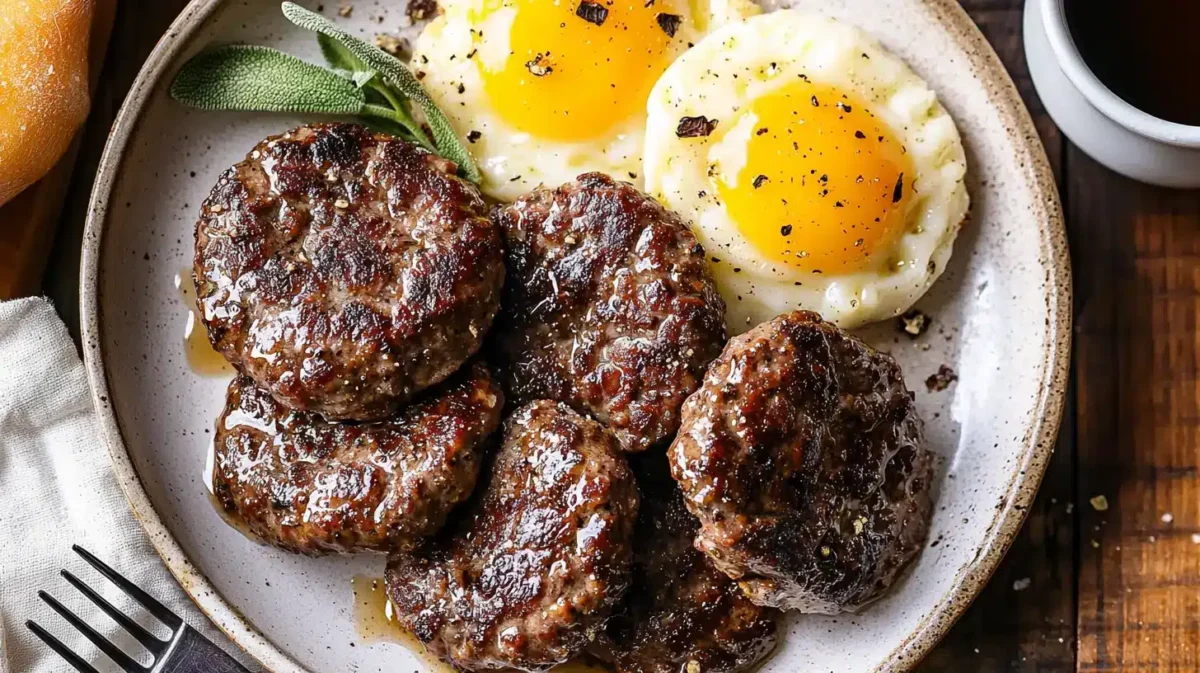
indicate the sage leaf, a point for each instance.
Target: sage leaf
{"x":337,"y":56}
{"x":253,"y":78}
{"x":387,"y":126}
{"x":396,"y":75}
{"x":362,"y":77}
{"x":343,"y":61}
{"x":340,"y":58}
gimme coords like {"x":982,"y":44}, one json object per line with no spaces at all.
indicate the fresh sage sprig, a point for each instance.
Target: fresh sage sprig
{"x":361,"y":80}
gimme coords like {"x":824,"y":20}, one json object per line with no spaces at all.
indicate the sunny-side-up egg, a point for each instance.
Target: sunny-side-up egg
{"x":546,"y":89}
{"x":817,"y":169}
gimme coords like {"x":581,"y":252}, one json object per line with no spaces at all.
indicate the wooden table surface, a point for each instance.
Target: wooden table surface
{"x":1114,"y":590}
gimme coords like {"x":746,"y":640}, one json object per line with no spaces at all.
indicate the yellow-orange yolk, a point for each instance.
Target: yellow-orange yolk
{"x":575,"y":69}
{"x":822,"y":185}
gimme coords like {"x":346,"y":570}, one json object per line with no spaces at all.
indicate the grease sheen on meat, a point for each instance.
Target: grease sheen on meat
{"x":610,"y":306}
{"x":532,"y":572}
{"x":802,"y":457}
{"x":681,"y":614}
{"x":345,"y":270}
{"x":310,"y":486}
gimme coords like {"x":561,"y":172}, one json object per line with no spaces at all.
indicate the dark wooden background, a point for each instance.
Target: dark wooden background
{"x":1114,"y":590}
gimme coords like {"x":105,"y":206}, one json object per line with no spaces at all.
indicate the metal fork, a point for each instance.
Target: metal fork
{"x":185,"y":652}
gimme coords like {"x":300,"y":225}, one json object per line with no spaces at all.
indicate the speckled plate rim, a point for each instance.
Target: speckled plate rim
{"x":1039,"y":439}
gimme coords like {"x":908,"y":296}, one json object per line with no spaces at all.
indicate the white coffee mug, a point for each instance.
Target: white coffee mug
{"x":1111,"y":131}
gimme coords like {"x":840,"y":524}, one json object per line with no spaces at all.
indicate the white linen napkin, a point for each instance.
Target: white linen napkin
{"x":58,"y":489}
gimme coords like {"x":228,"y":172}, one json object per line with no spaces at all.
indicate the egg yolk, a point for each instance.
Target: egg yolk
{"x":822,"y":184}
{"x":577,"y":68}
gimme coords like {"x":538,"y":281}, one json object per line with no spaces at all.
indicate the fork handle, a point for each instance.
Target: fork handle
{"x":191,"y":652}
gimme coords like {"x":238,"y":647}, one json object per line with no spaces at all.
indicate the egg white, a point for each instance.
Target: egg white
{"x":446,"y":58}
{"x":739,"y":62}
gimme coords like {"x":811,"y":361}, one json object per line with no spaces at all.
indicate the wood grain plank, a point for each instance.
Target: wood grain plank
{"x":1138,"y":426}
{"x":1031,"y":629}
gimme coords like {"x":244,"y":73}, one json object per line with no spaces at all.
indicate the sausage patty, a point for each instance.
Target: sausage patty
{"x":681,"y":614}
{"x":802,"y":457}
{"x":610,"y":306}
{"x":345,"y":270}
{"x":529,"y":577}
{"x":310,"y":486}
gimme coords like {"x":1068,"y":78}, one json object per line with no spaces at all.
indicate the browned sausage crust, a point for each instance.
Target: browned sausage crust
{"x":681,"y":614}
{"x":802,"y":457}
{"x":345,"y":270}
{"x":610,"y":306}
{"x":306,"y":485}
{"x":533,"y":571}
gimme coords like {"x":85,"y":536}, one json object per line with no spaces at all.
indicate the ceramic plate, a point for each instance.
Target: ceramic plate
{"x":1001,"y":321}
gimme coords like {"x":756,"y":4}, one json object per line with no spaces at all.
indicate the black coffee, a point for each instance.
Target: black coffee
{"x":1146,"y":51}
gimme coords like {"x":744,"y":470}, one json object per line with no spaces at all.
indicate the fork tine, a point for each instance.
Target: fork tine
{"x":157,"y":609}
{"x":63,"y":651}
{"x":134,"y":629}
{"x":120,"y":658}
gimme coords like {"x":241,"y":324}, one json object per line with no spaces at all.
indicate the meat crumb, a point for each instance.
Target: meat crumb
{"x":941,"y":380}
{"x":394,"y":45}
{"x":421,"y":10}
{"x":913,"y":323}
{"x":345,"y":11}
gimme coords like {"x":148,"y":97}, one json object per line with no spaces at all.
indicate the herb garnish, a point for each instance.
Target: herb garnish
{"x":540,"y":65}
{"x":669,"y":23}
{"x":362,"y":80}
{"x":592,"y":12}
{"x":695,"y":127}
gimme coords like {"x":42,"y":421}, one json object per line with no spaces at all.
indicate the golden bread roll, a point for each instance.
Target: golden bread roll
{"x":43,"y":85}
